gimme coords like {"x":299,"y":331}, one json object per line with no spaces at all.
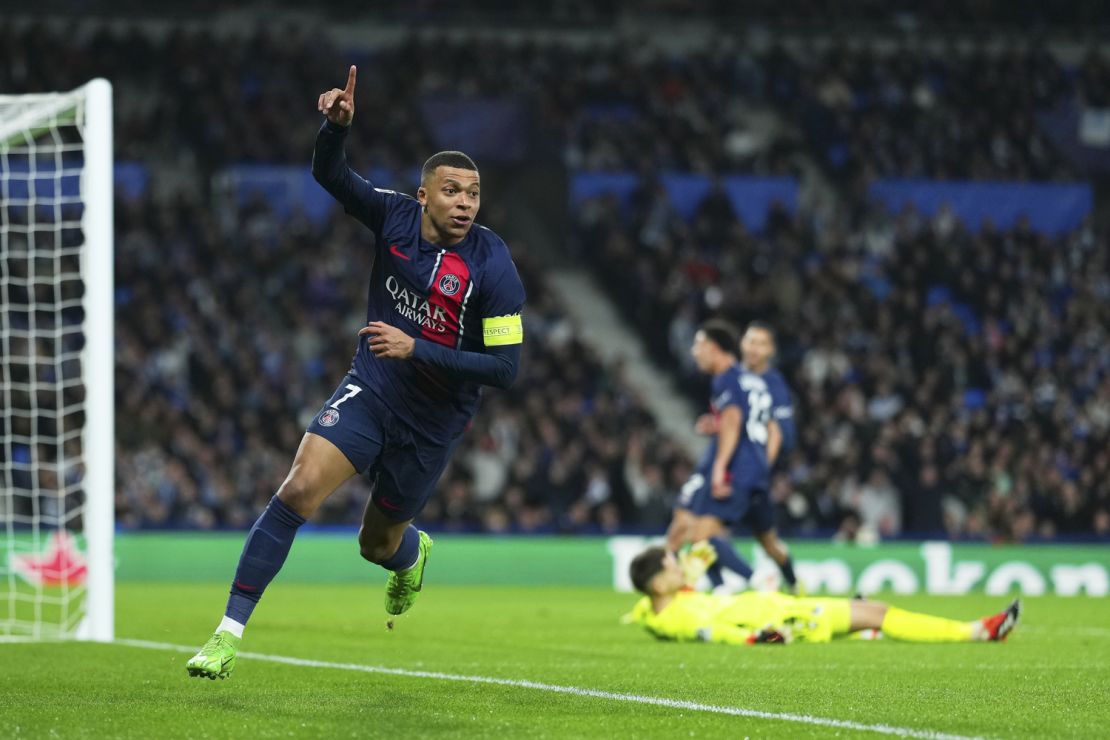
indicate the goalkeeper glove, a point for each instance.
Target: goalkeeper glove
{"x":696,"y":560}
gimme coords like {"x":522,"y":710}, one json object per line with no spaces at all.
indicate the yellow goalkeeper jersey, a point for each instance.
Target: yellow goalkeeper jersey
{"x":694,"y":616}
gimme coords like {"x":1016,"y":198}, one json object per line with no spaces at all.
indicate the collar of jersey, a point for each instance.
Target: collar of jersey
{"x":425,"y":244}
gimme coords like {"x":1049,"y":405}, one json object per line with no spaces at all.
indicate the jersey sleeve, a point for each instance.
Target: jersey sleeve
{"x":725,"y":392}
{"x":502,"y":301}
{"x":496,"y":366}
{"x":359,"y":197}
{"x":782,"y":411}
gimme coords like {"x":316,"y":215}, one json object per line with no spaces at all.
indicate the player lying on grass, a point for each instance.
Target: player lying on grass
{"x":443,"y":320}
{"x":670,"y":610}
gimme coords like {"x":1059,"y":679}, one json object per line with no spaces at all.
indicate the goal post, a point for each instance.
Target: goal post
{"x":57,"y":428}
{"x":99,"y":362}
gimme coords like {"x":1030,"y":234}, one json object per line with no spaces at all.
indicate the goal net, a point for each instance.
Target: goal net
{"x":56,"y":365}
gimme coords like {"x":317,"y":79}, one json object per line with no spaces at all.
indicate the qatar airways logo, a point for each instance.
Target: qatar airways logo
{"x":415,"y":307}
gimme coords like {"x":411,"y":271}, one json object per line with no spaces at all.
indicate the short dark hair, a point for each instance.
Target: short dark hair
{"x":722,"y":333}
{"x":762,"y":326}
{"x":646,"y":566}
{"x":446,"y":159}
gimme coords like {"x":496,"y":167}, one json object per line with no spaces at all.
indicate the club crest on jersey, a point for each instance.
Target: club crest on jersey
{"x":449,"y":284}
{"x":329,"y":417}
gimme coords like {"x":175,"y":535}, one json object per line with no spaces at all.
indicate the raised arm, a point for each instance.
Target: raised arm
{"x":339,"y":105}
{"x":329,"y":160}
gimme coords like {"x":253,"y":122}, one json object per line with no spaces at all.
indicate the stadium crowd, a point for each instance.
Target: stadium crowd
{"x":907,"y":110}
{"x":946,"y":380}
{"x":934,"y":394}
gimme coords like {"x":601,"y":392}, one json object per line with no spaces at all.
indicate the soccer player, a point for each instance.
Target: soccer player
{"x":443,"y":319}
{"x":671,"y":611}
{"x":735,"y":464}
{"x":757,"y":349}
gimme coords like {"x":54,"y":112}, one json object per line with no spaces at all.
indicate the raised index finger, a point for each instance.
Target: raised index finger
{"x":350,"y":81}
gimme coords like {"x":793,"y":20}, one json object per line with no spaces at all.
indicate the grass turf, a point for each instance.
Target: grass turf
{"x":1051,"y":679}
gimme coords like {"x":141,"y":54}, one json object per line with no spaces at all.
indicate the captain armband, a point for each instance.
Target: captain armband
{"x":499,"y":331}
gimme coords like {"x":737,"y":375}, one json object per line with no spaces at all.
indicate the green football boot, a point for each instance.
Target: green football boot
{"x":217,"y":658}
{"x":402,"y":588}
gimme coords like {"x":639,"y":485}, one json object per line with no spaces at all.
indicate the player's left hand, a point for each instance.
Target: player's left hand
{"x":339,"y":105}
{"x":695,"y":561}
{"x":388,"y":342}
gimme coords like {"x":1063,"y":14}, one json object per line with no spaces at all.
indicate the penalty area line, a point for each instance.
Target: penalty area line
{"x":692,"y":706}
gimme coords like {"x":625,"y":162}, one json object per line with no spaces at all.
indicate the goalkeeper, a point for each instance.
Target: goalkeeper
{"x":670,"y":610}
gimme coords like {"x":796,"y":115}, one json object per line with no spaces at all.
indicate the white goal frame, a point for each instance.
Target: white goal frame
{"x":98,"y":363}
{"x":98,"y":353}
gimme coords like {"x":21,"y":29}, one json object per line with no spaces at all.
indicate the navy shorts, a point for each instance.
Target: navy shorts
{"x":748,"y":505}
{"x":402,"y":467}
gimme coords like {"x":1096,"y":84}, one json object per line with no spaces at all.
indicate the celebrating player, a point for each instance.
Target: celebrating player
{"x":443,"y":319}
{"x":734,"y":467}
{"x":671,"y":611}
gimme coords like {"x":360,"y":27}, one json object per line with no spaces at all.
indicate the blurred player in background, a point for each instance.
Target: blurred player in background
{"x":757,"y":350}
{"x":671,"y":610}
{"x":443,"y":320}
{"x":718,"y":494}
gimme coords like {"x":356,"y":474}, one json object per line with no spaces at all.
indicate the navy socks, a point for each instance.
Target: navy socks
{"x":263,"y":555}
{"x":787,"y":569}
{"x":407,"y":551}
{"x":727,"y":557}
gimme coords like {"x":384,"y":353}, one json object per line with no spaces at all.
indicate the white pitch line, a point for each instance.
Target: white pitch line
{"x":576,"y":691}
{"x":1062,"y":630}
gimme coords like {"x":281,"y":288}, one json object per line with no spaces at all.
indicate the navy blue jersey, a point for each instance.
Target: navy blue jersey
{"x":782,"y":407}
{"x":461,"y":303}
{"x":749,"y":392}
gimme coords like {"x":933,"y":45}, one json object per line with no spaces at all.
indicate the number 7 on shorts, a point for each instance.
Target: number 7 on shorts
{"x":353,"y":389}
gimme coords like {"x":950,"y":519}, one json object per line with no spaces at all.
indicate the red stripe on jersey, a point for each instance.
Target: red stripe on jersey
{"x":449,"y":286}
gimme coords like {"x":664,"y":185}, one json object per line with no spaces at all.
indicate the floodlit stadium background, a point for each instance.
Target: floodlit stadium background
{"x":912,"y":198}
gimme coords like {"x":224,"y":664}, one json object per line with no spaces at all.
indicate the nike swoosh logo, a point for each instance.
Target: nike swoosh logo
{"x":396,"y":252}
{"x":244,"y":586}
{"x":386,"y":503}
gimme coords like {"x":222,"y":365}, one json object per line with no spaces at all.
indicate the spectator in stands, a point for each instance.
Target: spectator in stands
{"x":939,"y":384}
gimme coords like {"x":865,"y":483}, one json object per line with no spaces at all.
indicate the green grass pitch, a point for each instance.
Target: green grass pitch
{"x":1052,"y":679}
